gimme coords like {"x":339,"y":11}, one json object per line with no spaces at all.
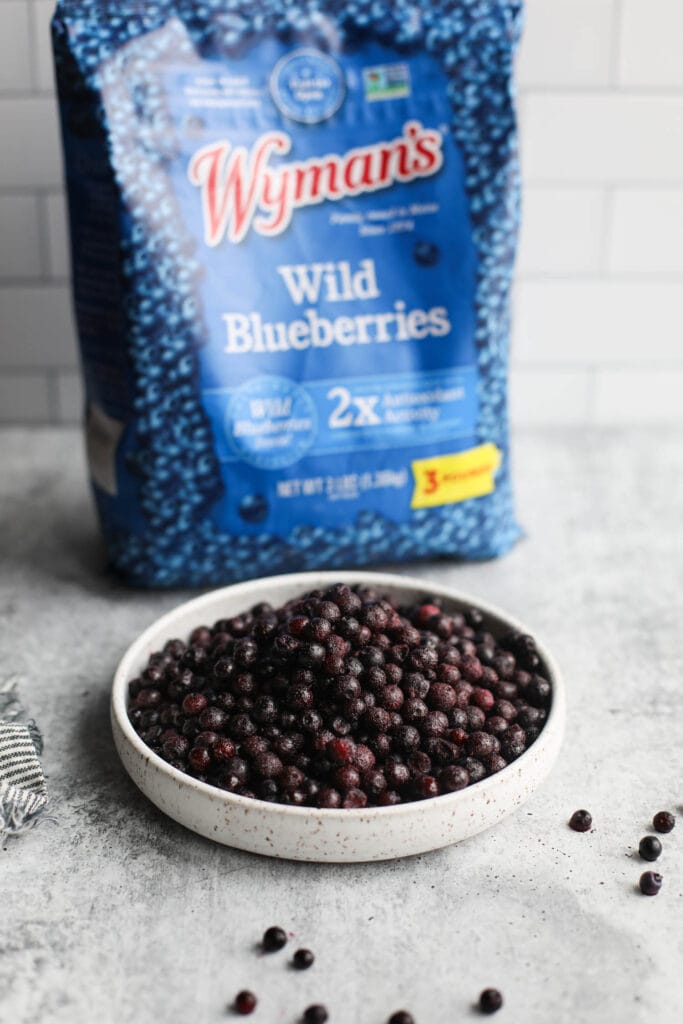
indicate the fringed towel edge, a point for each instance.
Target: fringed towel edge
{"x":20,"y":810}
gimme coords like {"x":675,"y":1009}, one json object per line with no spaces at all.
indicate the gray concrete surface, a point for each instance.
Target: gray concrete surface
{"x":116,"y":914}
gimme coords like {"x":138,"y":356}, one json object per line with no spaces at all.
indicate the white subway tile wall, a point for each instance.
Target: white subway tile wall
{"x":604,"y":323}
{"x":598,"y":332}
{"x":26,"y":398}
{"x":643,"y":395}
{"x":56,"y":235}
{"x":36,"y":328}
{"x":562,"y":231}
{"x":15,"y":46}
{"x":20,"y":249}
{"x":69,"y":396}
{"x":41,"y":11}
{"x":566,"y":41}
{"x":646,"y":237}
{"x":651,"y":32}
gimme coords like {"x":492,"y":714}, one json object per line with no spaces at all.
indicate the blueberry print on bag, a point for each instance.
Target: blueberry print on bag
{"x":293,"y":232}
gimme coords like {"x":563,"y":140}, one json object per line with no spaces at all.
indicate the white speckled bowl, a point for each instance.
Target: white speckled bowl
{"x":300,"y":833}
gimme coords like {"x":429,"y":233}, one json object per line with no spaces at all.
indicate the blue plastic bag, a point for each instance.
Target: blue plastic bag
{"x":293,"y":231}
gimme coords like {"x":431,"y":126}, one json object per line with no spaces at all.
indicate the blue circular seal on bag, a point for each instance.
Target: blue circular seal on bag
{"x":271,"y":422}
{"x":307,"y":86}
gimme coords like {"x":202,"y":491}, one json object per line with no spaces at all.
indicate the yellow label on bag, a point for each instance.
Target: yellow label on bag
{"x":448,"y":479}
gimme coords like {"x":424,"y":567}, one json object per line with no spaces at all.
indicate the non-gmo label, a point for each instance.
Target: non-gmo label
{"x":386,"y":82}
{"x":307,"y":86}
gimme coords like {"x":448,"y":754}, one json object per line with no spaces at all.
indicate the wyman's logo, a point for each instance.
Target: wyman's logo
{"x":242,"y":190}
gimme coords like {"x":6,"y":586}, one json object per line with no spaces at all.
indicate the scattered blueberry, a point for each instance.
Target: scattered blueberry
{"x":401,"y":1017}
{"x":663,"y":821}
{"x":650,"y":883}
{"x":303,"y":959}
{"x":490,"y":1000}
{"x":274,"y":939}
{"x":581,"y":821}
{"x":649,"y":848}
{"x":315,"y":1014}
{"x":245,"y":1002}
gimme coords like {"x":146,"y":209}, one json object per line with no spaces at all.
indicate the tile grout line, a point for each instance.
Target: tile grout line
{"x":561,"y":367}
{"x":673,"y":184}
{"x":44,"y":239}
{"x":33,"y":45}
{"x":663,"y":278}
{"x":531,"y":90}
{"x":537,"y":183}
{"x":53,"y":397}
{"x":606,"y":229}
{"x":11,"y":191}
{"x":574,"y":277}
{"x":568,"y":90}
{"x":43,"y":281}
{"x":615,"y":49}
{"x":537,"y":90}
{"x":591,"y":403}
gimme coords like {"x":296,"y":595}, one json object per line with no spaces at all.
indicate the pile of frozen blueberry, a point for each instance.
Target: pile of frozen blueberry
{"x":341,"y":698}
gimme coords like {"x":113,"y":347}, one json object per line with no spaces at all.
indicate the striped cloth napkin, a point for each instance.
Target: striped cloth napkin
{"x":23,"y":793}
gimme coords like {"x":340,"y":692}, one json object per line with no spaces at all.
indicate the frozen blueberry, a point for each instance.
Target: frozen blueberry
{"x":453,"y":778}
{"x":581,"y":821}
{"x":245,"y":1002}
{"x":663,"y":821}
{"x":649,"y":848}
{"x":650,"y":883}
{"x":315,"y":1014}
{"x":199,"y":758}
{"x":194,"y":703}
{"x":329,"y":798}
{"x":303,"y":959}
{"x":274,"y":938}
{"x":490,"y":1000}
{"x":341,"y":751}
